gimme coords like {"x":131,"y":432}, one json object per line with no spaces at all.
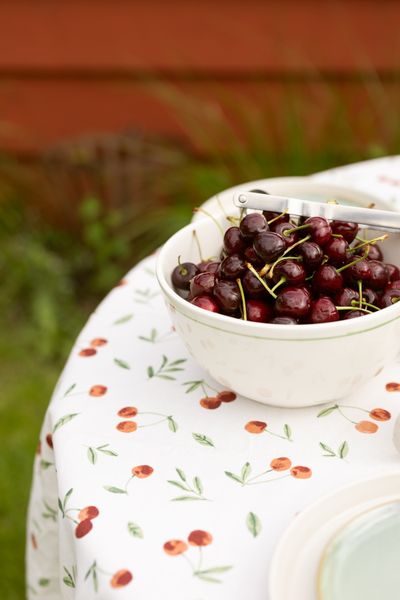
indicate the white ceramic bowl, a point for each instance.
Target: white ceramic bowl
{"x":281,"y":365}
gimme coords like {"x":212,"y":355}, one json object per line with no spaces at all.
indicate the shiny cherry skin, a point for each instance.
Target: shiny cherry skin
{"x":374,"y":252}
{"x":327,"y":280}
{"x":253,"y":224}
{"x":389,"y":298}
{"x":227,"y":295}
{"x":279,"y":218}
{"x":353,"y":314}
{"x":232,"y":267}
{"x":258,"y":311}
{"x":358,"y":272}
{"x":292,"y":302}
{"x":182,"y":274}
{"x":293,"y":272}
{"x":319,"y":229}
{"x":284,"y":321}
{"x":394,"y":285}
{"x":206,"y":303}
{"x":202,"y":284}
{"x":323,"y":310}
{"x":251,"y":257}
{"x":346,"y":296}
{"x":379,"y":277}
{"x":282,"y":229}
{"x":337,"y":250}
{"x":371,"y":296}
{"x":252,"y":286}
{"x":269,"y":246}
{"x":233,"y":241}
{"x":347,"y":230}
{"x":208,"y":266}
{"x":312,"y":255}
{"x":393,"y":272}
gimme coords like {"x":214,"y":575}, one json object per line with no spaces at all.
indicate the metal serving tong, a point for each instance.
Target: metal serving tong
{"x":384,"y":220}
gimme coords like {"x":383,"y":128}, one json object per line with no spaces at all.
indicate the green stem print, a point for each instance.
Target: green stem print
{"x":119,"y":579}
{"x":363,"y":426}
{"x":193,"y":491}
{"x":138,"y":472}
{"x":166,"y":368}
{"x":257,"y":427}
{"x":341,"y":452}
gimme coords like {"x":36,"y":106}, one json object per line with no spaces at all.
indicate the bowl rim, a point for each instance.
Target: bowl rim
{"x":271,"y":331}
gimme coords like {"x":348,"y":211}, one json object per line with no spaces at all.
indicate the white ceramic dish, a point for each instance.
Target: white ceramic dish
{"x":305,"y":540}
{"x":282,"y":365}
{"x":297,"y":187}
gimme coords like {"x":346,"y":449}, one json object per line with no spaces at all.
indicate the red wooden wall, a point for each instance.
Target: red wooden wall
{"x":75,"y":66}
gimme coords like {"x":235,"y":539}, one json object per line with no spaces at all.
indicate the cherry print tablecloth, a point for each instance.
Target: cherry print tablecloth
{"x":152,"y":481}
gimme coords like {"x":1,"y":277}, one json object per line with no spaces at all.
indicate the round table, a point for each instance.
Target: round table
{"x":149,"y":482}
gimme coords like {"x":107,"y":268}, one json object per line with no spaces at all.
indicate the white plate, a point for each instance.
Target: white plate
{"x":295,"y":564}
{"x":298,"y":187}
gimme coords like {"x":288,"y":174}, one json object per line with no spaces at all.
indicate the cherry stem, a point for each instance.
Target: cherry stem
{"x":287,"y":232}
{"x":284,"y":255}
{"x":268,"y":480}
{"x":266,"y":268}
{"x":354,"y":262}
{"x":259,"y":475}
{"x":252,"y":269}
{"x":345,"y":416}
{"x":370,"y":242}
{"x":196,"y":237}
{"x":360,"y":293}
{"x":277,"y":217}
{"x":353,"y":308}
{"x":182,"y":270}
{"x":213,"y":219}
{"x":355,"y":303}
{"x":244,"y":311}
{"x":337,"y":235}
{"x":282,"y":280}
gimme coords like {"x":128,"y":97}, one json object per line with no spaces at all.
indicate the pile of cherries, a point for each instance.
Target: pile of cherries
{"x":278,"y":269}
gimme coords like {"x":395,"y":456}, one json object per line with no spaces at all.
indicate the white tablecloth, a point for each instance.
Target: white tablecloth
{"x":142,"y":492}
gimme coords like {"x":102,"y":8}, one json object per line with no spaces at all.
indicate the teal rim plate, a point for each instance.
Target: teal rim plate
{"x":362,"y":560}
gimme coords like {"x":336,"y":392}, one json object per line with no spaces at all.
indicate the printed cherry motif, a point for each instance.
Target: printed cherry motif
{"x":301,"y":472}
{"x":127,"y":426}
{"x":226,"y":396}
{"x":89,"y":512}
{"x":142,"y":471}
{"x":257,"y":427}
{"x":83,"y":516}
{"x":95,"y":391}
{"x":83,"y":528}
{"x":363,"y":426}
{"x":281,"y":464}
{"x":87,"y":352}
{"x":210,"y":402}
{"x":97,"y":342}
{"x":198,"y":539}
{"x":121,"y":578}
{"x":138,"y":472}
{"x":98,"y":390}
{"x":175,"y":547}
{"x":127,"y":412}
{"x":276,"y":465}
{"x":49,"y":440}
{"x":393,"y":386}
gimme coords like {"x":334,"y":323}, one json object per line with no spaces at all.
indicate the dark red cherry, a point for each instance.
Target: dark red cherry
{"x":319,"y":229}
{"x":336,"y":249}
{"x":202,"y":283}
{"x":182,"y":274}
{"x":278,"y":217}
{"x":393,"y":272}
{"x":354,"y":314}
{"x":291,"y":270}
{"x":227,"y":295}
{"x":269,"y":246}
{"x":293,"y":302}
{"x":374,"y":252}
{"x":379,"y":277}
{"x":233,"y":241}
{"x":358,"y":272}
{"x":394,"y":285}
{"x":252,"y":286}
{"x":312,"y":255}
{"x":347,"y":230}
{"x":284,"y":321}
{"x":282,"y":229}
{"x":258,"y":311}
{"x":232,"y":267}
{"x":251,"y":256}
{"x":253,"y":224}
{"x":346,"y":296}
{"x":206,"y":302}
{"x":327,"y":280}
{"x":370,"y":296}
{"x":208,"y":266}
{"x":389,"y":298}
{"x":323,"y":310}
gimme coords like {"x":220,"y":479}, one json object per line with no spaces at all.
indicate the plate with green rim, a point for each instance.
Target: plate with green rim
{"x":316,"y":543}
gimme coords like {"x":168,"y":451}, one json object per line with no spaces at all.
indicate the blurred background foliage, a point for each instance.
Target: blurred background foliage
{"x":78,"y":216}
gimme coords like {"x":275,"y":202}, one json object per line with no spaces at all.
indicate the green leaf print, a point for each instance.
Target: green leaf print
{"x":114,"y":490}
{"x":343,"y":450}
{"x":91,"y":454}
{"x":253,"y":524}
{"x":135,"y":530}
{"x":123,"y":319}
{"x":166,"y":368}
{"x":121,"y":363}
{"x":63,"y":421}
{"x":203,"y":439}
{"x":173,"y":425}
{"x":327,"y":411}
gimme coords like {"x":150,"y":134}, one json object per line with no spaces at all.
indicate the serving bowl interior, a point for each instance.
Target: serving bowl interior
{"x":282,"y":365}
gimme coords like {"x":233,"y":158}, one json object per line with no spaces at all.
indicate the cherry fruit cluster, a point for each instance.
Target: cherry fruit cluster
{"x":277,"y":269}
